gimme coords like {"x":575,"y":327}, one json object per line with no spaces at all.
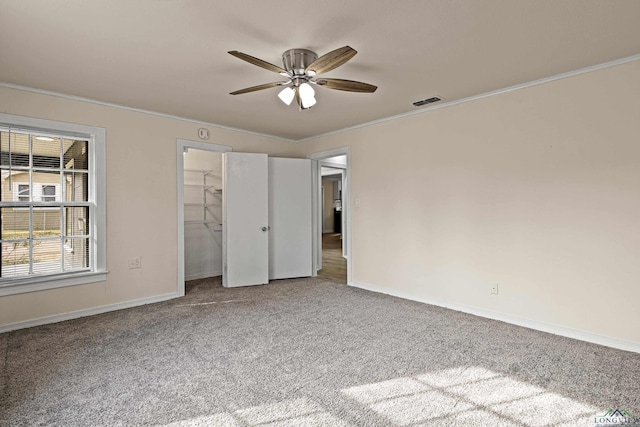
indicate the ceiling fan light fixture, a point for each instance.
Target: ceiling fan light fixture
{"x":308,"y":103}
{"x":286,"y":95}
{"x":307,"y":95}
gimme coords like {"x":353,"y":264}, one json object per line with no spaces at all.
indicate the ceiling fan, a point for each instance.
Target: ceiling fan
{"x":301,"y":67}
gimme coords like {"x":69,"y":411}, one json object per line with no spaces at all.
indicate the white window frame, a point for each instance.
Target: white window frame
{"x":97,"y":197}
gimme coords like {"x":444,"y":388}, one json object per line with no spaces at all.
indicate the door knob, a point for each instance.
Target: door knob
{"x":266,"y":228}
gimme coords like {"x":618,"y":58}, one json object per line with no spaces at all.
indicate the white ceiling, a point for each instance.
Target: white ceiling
{"x":170,"y":56}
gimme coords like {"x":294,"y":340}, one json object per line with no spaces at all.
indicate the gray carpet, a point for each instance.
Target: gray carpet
{"x":305,"y":352}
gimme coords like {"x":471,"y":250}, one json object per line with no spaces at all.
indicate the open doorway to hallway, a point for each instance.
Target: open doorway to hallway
{"x":334,"y":263}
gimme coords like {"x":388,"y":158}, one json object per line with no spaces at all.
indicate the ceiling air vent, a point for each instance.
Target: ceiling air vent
{"x":427,"y":101}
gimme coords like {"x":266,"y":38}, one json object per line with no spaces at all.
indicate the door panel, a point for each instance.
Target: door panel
{"x":290,"y":246}
{"x":245,"y":220}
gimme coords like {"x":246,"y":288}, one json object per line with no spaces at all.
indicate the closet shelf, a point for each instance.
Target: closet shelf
{"x":202,"y":171}
{"x":202,"y":205}
{"x":204,"y":187}
{"x":206,"y":203}
{"x":204,"y":222}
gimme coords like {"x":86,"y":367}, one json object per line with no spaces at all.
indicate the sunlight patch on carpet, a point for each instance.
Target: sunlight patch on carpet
{"x":469,"y":396}
{"x":294,"y":412}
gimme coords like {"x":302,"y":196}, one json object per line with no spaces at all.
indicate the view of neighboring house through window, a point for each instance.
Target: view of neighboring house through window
{"x":48,"y":193}
{"x":23,"y":192}
{"x":45,"y":207}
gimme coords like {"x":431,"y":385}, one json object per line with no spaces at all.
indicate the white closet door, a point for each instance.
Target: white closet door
{"x":245,"y":220}
{"x":290,"y":246}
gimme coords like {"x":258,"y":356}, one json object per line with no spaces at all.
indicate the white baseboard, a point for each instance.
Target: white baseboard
{"x":86,"y":312}
{"x":514,"y":320}
{"x":197,"y":276}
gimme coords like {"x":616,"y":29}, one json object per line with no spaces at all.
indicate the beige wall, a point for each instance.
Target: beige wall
{"x":141,"y":200}
{"x":536,"y":189}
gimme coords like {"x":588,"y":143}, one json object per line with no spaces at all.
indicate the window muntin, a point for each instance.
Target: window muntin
{"x":48,"y":230}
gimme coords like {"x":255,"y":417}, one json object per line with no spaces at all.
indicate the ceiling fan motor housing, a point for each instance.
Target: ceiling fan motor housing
{"x":297,"y":60}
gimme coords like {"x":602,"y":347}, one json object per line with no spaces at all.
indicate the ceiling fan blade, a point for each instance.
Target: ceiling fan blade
{"x":347,"y":85}
{"x":259,"y":62}
{"x":255,"y":88}
{"x":331,"y":60}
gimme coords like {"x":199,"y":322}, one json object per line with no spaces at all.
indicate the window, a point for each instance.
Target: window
{"x":48,"y":193}
{"x":23,"y":193}
{"x":51,"y":204}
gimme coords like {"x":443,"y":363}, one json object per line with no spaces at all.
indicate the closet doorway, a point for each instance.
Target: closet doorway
{"x":199,"y":210}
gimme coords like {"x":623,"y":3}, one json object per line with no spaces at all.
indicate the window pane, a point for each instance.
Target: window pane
{"x":14,"y":149}
{"x":76,"y":154}
{"x":15,"y":223}
{"x":48,"y":190}
{"x":76,"y":186}
{"x":48,"y":193}
{"x":6,"y":185}
{"x":76,"y":254}
{"x":46,"y":222}
{"x":10,"y":179}
{"x":24,"y":194}
{"x":47,"y":256}
{"x":15,"y":258}
{"x":46,"y":152}
{"x":42,"y":178}
{"x":77,"y":219}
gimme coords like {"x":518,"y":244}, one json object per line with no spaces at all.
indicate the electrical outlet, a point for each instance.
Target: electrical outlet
{"x":494,"y":289}
{"x":135,"y":262}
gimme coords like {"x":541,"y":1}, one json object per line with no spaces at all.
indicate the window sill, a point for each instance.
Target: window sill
{"x":34,"y":284}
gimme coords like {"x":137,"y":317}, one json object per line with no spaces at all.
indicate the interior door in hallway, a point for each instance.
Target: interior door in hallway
{"x":245,"y":234}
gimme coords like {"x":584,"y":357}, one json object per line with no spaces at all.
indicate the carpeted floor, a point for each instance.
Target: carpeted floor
{"x":305,"y":352}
